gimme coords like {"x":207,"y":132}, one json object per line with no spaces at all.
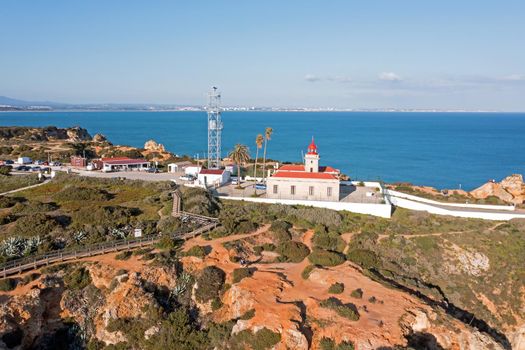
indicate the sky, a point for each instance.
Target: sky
{"x":432,"y":54}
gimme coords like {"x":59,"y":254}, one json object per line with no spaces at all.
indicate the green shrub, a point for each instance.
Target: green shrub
{"x":216,"y":304}
{"x":372,"y":300}
{"x":326,"y":344}
{"x":345,"y":345}
{"x":168,"y":225}
{"x":307,"y":271}
{"x":125,"y":255}
{"x":210,"y":283}
{"x":84,"y":194}
{"x":166,"y":242}
{"x":281,"y":230}
{"x":248,"y":315}
{"x":8,"y":202}
{"x":357,"y":293}
{"x":197,"y":251}
{"x":243,"y":272}
{"x":348,"y":311}
{"x":77,"y":279}
{"x":30,"y":277}
{"x":329,"y":241}
{"x":261,"y":340}
{"x":336,"y":288}
{"x":258,"y":249}
{"x":367,"y":259}
{"x":37,"y":224}
{"x":8,"y":284}
{"x":325,"y":258}
{"x":269,"y":247}
{"x":291,"y":251}
{"x":246,"y":227}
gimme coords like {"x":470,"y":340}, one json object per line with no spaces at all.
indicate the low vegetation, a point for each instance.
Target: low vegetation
{"x":336,"y":288}
{"x":325,"y":258}
{"x":210,"y":282}
{"x":348,"y":311}
{"x":241,"y":273}
{"x":291,"y":251}
{"x":13,"y":182}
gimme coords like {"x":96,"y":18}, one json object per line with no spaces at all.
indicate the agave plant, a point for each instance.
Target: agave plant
{"x":182,"y":284}
{"x":118,"y":233}
{"x":13,"y":247}
{"x":79,"y":236}
{"x":32,"y":244}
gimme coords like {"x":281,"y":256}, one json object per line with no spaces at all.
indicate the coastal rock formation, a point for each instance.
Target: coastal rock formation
{"x":511,"y":189}
{"x":99,"y":138}
{"x":153,"y":146}
{"x":15,"y":134}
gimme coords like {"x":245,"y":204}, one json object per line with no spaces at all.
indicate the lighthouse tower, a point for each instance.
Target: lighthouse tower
{"x":311,"y":159}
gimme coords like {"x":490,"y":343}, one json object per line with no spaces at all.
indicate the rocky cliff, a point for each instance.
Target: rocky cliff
{"x":50,"y":133}
{"x":511,"y":189}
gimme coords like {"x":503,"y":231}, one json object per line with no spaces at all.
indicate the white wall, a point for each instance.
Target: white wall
{"x":381,"y":210}
{"x":458,"y":205}
{"x":458,"y":212}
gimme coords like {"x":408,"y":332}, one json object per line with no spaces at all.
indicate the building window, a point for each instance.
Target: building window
{"x":311,"y":190}
{"x":329,"y":192}
{"x":292,"y":190}
{"x":275,"y":189}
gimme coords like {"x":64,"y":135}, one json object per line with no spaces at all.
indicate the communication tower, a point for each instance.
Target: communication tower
{"x":214,"y":128}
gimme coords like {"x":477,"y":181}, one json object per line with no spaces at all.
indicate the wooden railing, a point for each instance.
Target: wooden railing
{"x":17,"y":266}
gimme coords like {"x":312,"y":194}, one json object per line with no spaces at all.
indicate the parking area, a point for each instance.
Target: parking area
{"x":360,"y":194}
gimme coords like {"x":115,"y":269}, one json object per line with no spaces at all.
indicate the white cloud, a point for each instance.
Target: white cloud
{"x":389,"y":76}
{"x":338,"y":79}
{"x":312,"y":78}
{"x":515,"y":77}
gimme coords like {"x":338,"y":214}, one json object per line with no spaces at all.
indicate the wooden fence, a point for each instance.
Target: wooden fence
{"x":17,"y":266}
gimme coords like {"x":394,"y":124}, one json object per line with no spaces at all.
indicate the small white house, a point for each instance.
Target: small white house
{"x":24,"y":160}
{"x":213,"y":177}
{"x":179,"y":166}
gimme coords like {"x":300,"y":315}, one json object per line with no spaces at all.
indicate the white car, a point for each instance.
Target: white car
{"x":186,"y":177}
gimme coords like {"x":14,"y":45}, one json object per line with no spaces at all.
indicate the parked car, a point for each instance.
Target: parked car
{"x":22,"y":168}
{"x":9,"y":162}
{"x":35,"y":168}
{"x":260,"y":186}
{"x":38,"y":162}
{"x":186,"y":178}
{"x":153,"y":170}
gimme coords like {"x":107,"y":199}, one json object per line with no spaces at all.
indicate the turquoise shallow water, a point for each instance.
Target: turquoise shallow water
{"x":436,"y":149}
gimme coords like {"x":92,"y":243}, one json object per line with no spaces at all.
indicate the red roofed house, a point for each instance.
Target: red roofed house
{"x":305,"y":182}
{"x":123,"y":164}
{"x":213,"y":177}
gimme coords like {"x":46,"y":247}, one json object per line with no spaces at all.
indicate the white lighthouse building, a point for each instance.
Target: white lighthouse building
{"x":305,"y":182}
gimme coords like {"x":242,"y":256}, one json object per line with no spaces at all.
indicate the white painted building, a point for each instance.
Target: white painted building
{"x":213,"y":177}
{"x":305,"y":182}
{"x":124,"y":164}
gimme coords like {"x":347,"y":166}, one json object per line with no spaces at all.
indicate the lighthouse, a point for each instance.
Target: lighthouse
{"x":311,"y":159}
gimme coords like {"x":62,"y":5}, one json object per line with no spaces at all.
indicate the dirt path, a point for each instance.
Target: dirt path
{"x":24,"y":188}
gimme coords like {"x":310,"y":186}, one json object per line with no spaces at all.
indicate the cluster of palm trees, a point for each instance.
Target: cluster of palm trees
{"x":240,"y":153}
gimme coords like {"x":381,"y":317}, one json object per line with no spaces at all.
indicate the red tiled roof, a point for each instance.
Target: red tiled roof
{"x":123,"y":161}
{"x":292,"y":167}
{"x":304,"y":175}
{"x":211,"y":171}
{"x":328,"y":169}
{"x":298,"y":167}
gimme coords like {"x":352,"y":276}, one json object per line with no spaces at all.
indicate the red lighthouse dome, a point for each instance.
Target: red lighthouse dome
{"x":312,"y":149}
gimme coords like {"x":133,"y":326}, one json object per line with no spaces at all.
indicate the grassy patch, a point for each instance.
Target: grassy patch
{"x":307,"y":271}
{"x":13,"y":182}
{"x":348,"y":311}
{"x":241,"y":273}
{"x":291,"y":251}
{"x":325,"y":258}
{"x":336,"y":288}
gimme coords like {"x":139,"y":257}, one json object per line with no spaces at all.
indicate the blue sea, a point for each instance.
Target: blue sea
{"x":445,"y":150}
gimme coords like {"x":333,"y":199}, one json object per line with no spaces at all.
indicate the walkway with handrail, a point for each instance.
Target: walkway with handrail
{"x":18,"y":266}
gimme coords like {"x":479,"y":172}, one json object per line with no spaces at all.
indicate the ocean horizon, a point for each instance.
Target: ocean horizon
{"x":440,"y":149}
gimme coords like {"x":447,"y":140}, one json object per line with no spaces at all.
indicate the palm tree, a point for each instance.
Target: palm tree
{"x":259,"y":142}
{"x":240,"y":154}
{"x":267,"y":137}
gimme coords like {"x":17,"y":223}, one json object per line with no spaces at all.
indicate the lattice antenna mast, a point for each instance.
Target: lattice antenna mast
{"x":214,"y":128}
